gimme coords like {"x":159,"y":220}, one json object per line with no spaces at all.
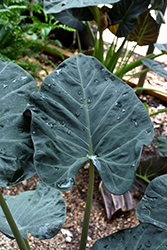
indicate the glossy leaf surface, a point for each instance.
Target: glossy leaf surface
{"x":83,"y":112}
{"x":73,"y":17}
{"x":41,"y":212}
{"x":152,"y":207}
{"x":125,"y":14}
{"x":155,"y":66}
{"x":16,"y":148}
{"x":144,"y":236}
{"x":162,"y":145}
{"x":56,"y":6}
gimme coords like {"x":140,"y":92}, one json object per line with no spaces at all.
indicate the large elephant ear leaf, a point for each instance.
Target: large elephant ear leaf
{"x":16,"y":148}
{"x":56,"y":6}
{"x":40,"y":212}
{"x":125,"y":14}
{"x":152,"y":207}
{"x":83,"y":112}
{"x":74,"y":17}
{"x":144,"y":236}
{"x":147,"y":35}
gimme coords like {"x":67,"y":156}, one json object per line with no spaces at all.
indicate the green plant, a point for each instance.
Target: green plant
{"x":16,"y":28}
{"x":81,"y":114}
{"x":129,"y":19}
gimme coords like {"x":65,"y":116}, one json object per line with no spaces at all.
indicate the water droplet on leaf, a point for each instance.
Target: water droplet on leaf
{"x":148,"y":244}
{"x":112,"y":78}
{"x":77,"y":115}
{"x":106,"y":246}
{"x":58,"y":71}
{"x":135,"y":122}
{"x":4,"y":86}
{"x":23,"y":77}
{"x":69,"y":132}
{"x":118,"y":104}
{"x":125,"y":93}
{"x":147,"y":131}
{"x":65,"y":184}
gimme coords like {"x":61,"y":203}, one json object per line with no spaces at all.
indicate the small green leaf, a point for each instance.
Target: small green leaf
{"x":16,"y":147}
{"x":83,"y":112}
{"x":41,"y":212}
{"x":152,"y":207}
{"x":162,"y":145}
{"x":144,"y":236}
{"x":155,"y":66}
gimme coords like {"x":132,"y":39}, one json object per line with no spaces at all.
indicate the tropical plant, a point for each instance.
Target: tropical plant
{"x":129,"y":19}
{"x":16,"y":28}
{"x":82,"y":114}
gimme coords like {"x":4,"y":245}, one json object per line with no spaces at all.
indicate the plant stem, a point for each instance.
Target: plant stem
{"x":154,"y":90}
{"x":79,"y":42}
{"x":91,"y":32}
{"x":27,"y":245}
{"x":143,"y":178}
{"x":88,"y":208}
{"x":12,"y":224}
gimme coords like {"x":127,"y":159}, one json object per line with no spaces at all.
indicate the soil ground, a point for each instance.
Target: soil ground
{"x":69,"y":236}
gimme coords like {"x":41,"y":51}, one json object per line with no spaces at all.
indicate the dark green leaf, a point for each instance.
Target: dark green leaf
{"x":73,"y":17}
{"x":152,"y":167}
{"x":146,"y":35}
{"x":83,"y":112}
{"x":56,"y":6}
{"x":157,"y":4}
{"x":40,"y":212}
{"x":125,"y":14}
{"x":152,"y":207}
{"x":155,"y":66}
{"x":144,"y":236}
{"x":162,"y":145}
{"x":16,"y":148}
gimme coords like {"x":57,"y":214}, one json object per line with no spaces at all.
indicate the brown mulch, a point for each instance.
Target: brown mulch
{"x":69,"y":236}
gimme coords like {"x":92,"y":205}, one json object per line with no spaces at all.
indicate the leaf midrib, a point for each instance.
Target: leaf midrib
{"x":90,"y":147}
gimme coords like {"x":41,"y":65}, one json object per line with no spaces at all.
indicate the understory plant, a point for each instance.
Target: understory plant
{"x":131,"y":20}
{"x":20,"y":33}
{"x":82,"y":114}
